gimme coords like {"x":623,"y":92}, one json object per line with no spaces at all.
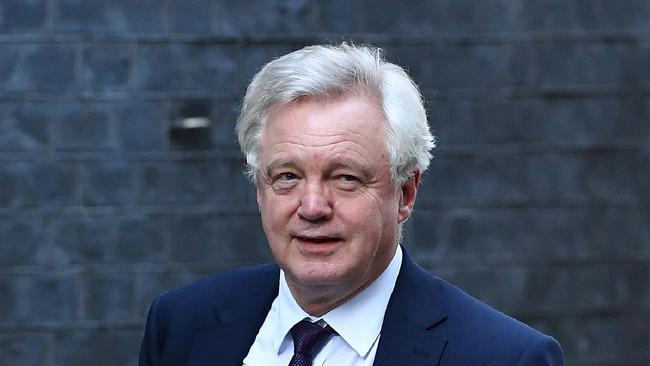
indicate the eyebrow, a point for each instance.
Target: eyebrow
{"x":353,"y":164}
{"x":277,"y":164}
{"x":332,"y":165}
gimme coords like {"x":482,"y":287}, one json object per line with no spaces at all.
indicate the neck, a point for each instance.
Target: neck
{"x":318,"y":301}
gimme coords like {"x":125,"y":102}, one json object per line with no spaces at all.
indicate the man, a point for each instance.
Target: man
{"x":336,"y":140}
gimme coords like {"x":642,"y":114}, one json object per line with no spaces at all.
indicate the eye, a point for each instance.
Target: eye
{"x":348,"y":178}
{"x":347,"y":182}
{"x":287,"y":176}
{"x":284,"y":181}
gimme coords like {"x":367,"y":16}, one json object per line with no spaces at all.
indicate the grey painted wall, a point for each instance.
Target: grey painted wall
{"x":537,"y":202}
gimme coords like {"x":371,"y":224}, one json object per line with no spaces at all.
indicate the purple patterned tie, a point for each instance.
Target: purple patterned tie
{"x":308,"y":337}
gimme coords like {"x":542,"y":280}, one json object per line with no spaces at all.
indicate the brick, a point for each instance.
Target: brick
{"x":187,"y":67}
{"x":11,"y":175}
{"x":155,"y":283}
{"x":635,"y":286}
{"x":136,"y":117}
{"x":254,"y":17}
{"x":609,"y":16}
{"x":470,"y":17}
{"x":38,"y":298}
{"x":502,"y":16}
{"x":104,"y":347}
{"x":116,"y":16}
{"x":603,"y":336}
{"x":594,"y":288}
{"x":503,"y":287}
{"x":618,"y":174}
{"x":141,"y":239}
{"x":207,"y":182}
{"x":297,"y":16}
{"x":24,"y":126}
{"x":224,"y":118}
{"x":644,"y":175}
{"x":543,"y":64}
{"x":24,"y":349}
{"x":108,"y":239}
{"x":464,"y":122}
{"x":109,"y":297}
{"x":22,"y":184}
{"x":84,"y":239}
{"x":582,"y":15}
{"x":481,"y":178}
{"x":535,"y":16}
{"x":458,"y":66}
{"x":36,"y":67}
{"x":419,"y":17}
{"x":499,"y":121}
{"x":587,"y":120}
{"x":106,"y":67}
{"x":18,"y":16}
{"x":535,"y":233}
{"x":217,"y":238}
{"x":107,"y":183}
{"x":340,"y":16}
{"x":551,"y":64}
{"x":21,"y":237}
{"x":191,"y":16}
{"x":249,"y":16}
{"x":529,"y":291}
{"x":61,"y":188}
{"x":84,"y":126}
{"x":549,"y":177}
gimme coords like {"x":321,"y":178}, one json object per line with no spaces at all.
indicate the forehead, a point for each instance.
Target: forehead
{"x":350,"y":126}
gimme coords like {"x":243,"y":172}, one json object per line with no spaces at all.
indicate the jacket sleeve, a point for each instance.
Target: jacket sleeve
{"x":542,"y":352}
{"x":150,"y":347}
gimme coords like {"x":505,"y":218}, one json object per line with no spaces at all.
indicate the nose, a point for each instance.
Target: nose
{"x":314,"y":203}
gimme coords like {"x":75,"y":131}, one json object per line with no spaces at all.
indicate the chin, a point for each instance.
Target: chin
{"x":315,"y":275}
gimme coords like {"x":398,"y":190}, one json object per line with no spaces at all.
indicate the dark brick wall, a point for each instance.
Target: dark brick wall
{"x":538,"y":201}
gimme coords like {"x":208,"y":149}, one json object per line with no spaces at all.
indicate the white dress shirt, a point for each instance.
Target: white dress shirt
{"x":357,"y":324}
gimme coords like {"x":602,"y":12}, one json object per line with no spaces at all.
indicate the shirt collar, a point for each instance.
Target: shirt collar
{"x":366,"y":308}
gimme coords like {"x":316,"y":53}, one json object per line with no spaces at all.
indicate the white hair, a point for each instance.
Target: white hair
{"x":326,"y":71}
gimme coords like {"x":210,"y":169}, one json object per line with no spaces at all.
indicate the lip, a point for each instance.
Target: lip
{"x":315,"y":243}
{"x":319,"y":239}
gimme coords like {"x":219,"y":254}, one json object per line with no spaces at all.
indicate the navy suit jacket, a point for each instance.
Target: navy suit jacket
{"x":214,"y":321}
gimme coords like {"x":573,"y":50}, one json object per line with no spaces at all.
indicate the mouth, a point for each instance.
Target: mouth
{"x":317,"y":240}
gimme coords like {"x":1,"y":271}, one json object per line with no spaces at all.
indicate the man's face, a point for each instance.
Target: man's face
{"x":329,"y":208}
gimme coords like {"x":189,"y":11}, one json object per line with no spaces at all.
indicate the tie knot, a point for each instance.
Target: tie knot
{"x":307,"y":336}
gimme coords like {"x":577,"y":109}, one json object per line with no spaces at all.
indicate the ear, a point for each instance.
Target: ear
{"x":408,"y":192}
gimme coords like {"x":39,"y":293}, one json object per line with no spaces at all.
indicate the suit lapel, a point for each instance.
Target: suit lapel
{"x":226,"y":339}
{"x":410,"y":334}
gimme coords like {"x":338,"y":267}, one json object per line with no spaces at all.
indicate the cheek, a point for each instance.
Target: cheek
{"x":381,"y":209}
{"x":272,"y":224}
{"x":381,"y":220}
{"x":365,"y":220}
{"x":266,"y":214}
{"x":275,"y":214}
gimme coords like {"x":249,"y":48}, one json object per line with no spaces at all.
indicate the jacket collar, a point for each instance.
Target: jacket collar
{"x":237,"y":317}
{"x":410,"y":334}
